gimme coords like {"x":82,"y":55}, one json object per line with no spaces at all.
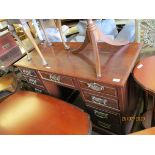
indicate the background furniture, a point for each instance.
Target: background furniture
{"x":109,"y":28}
{"x":106,"y":98}
{"x":145,"y":33}
{"x":33,"y":113}
{"x":144,"y":75}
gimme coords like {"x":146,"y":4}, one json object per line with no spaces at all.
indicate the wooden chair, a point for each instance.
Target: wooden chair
{"x":32,"y":113}
{"x":93,"y":36}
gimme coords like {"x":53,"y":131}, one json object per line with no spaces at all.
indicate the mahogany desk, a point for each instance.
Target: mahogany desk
{"x":144,"y":74}
{"x":106,"y":98}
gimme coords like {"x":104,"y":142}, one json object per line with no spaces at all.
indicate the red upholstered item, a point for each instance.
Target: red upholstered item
{"x":32,"y":113}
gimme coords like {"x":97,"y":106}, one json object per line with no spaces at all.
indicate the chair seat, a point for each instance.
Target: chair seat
{"x":32,"y":113}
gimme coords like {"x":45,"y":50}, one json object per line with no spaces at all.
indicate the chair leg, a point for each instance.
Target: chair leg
{"x":29,"y":35}
{"x":91,"y":30}
{"x":44,"y":31}
{"x":58,"y":23}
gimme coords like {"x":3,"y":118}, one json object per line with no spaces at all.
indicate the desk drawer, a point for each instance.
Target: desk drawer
{"x":100,"y":101}
{"x":34,"y":81}
{"x":31,"y":87}
{"x":98,"y":87}
{"x":28,"y":72}
{"x":59,"y":79}
{"x":106,"y":119}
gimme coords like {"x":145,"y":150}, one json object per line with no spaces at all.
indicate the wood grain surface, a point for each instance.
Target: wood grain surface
{"x":117,"y":62}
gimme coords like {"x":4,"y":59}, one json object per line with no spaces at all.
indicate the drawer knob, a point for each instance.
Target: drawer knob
{"x":95,"y":86}
{"x":101,"y":114}
{"x":98,"y":100}
{"x":55,"y":78}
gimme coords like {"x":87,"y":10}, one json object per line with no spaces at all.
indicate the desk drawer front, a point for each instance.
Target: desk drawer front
{"x":106,"y":119}
{"x":101,"y":101}
{"x":97,"y":87}
{"x":111,"y":127}
{"x":64,"y":80}
{"x":37,"y":89}
{"x":28,"y":72}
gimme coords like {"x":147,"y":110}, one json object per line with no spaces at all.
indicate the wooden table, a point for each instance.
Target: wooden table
{"x":106,"y":98}
{"x":29,"y":113}
{"x":144,"y":74}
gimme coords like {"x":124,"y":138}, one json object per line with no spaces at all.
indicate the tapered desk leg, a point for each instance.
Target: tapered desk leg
{"x":91,"y":30}
{"x":29,"y":35}
{"x":58,"y":23}
{"x":153,"y":115}
{"x":146,"y":100}
{"x":44,"y":31}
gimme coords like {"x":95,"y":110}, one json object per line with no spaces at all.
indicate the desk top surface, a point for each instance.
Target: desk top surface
{"x":144,"y":73}
{"x":117,"y":62}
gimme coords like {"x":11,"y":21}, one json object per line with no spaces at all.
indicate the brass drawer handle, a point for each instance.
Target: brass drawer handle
{"x":33,"y":81}
{"x":104,"y":125}
{"x":95,"y":86}
{"x":101,"y":114}
{"x":38,"y":90}
{"x":55,"y":78}
{"x":27,"y":72}
{"x":98,"y":100}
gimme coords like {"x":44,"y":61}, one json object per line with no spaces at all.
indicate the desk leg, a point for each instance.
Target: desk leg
{"x":153,"y":115}
{"x":146,"y":100}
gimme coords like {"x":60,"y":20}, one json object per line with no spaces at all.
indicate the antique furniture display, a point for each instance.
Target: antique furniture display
{"x":34,"y":113}
{"x":106,"y":98}
{"x":144,"y":75}
{"x":93,"y":35}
